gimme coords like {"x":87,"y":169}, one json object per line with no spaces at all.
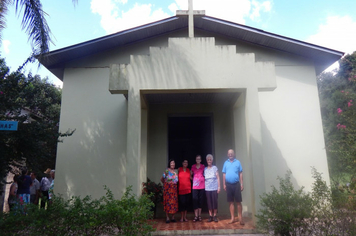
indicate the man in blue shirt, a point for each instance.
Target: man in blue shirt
{"x":233,"y":184}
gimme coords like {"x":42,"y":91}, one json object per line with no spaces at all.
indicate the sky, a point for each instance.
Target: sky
{"x":327,"y":23}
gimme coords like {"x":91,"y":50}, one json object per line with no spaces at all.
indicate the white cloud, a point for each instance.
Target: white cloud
{"x":339,"y":33}
{"x":6,"y":46}
{"x":113,"y":19}
{"x":231,"y":10}
{"x":173,"y":8}
{"x":265,"y":6}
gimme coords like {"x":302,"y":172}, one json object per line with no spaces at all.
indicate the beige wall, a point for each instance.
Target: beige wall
{"x":95,"y":154}
{"x":273,"y":131}
{"x":292,"y":129}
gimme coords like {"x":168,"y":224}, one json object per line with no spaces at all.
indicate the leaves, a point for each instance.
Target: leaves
{"x":35,"y":104}
{"x":337,"y":93}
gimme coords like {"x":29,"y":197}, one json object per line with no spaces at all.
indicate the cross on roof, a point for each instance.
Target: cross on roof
{"x":190,"y":14}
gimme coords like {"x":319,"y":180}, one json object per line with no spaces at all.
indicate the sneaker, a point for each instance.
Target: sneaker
{"x":210,"y":219}
{"x":216,"y":219}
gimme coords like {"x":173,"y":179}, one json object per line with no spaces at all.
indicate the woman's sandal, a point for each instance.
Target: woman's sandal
{"x":199,"y":218}
{"x":196,"y":219}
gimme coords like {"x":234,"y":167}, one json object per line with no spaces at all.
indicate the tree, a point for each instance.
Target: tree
{"x":337,"y":98}
{"x":35,"y":104}
{"x":33,"y":22}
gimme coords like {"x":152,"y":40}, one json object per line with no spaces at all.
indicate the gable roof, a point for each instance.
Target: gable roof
{"x":323,"y":57}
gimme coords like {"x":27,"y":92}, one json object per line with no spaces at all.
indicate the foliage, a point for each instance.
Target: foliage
{"x":153,"y":190}
{"x":83,"y":216}
{"x":284,"y":211}
{"x":288,"y":211}
{"x":35,"y":104}
{"x":337,"y":94}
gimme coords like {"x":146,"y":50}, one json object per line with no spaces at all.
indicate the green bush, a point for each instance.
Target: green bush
{"x":83,"y":216}
{"x":284,"y":211}
{"x":288,"y":211}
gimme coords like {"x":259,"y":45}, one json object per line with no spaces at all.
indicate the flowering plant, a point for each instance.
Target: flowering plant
{"x":155,"y":191}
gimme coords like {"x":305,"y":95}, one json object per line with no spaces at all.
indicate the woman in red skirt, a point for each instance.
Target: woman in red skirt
{"x":170,"y":195}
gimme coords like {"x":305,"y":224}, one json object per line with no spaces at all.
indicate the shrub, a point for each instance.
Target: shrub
{"x":284,"y":211}
{"x":83,"y":216}
{"x":288,"y":211}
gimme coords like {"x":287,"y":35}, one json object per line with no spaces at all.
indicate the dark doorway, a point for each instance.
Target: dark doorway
{"x":188,"y":137}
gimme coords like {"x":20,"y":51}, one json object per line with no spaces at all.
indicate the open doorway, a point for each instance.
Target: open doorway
{"x":188,"y":137}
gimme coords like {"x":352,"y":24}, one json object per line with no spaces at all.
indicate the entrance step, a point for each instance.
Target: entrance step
{"x":204,"y":227}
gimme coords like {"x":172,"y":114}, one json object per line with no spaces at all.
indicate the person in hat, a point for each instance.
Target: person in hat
{"x":45,"y":184}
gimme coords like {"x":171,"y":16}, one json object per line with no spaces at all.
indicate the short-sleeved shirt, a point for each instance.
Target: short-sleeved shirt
{"x":24,"y":184}
{"x":45,"y":183}
{"x":35,"y":187}
{"x":211,"y":181}
{"x":184,"y":186}
{"x":198,"y":177}
{"x":170,"y":177}
{"x":232,"y":171}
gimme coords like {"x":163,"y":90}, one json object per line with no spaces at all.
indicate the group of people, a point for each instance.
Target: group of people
{"x":178,"y":187}
{"x":26,"y":189}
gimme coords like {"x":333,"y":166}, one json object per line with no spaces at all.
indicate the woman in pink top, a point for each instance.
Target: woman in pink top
{"x":197,"y":174}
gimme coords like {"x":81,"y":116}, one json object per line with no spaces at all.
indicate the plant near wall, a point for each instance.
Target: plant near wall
{"x":284,"y":210}
{"x":290,"y":211}
{"x":153,"y":190}
{"x":83,"y":216}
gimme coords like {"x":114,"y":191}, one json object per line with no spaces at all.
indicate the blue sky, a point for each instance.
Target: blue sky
{"x":327,"y":23}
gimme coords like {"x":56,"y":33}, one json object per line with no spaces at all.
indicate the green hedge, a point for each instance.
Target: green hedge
{"x":83,"y":216}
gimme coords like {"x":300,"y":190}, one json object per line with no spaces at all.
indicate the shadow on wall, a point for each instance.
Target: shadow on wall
{"x":166,"y":67}
{"x":274,"y":163}
{"x":102,"y":157}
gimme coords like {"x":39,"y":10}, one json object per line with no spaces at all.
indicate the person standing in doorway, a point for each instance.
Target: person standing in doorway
{"x":184,"y":189}
{"x":197,"y":175}
{"x":233,"y":184}
{"x":212,"y":187}
{"x":170,"y":194}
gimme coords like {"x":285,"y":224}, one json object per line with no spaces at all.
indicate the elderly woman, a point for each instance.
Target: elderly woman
{"x":185,"y":188}
{"x":170,"y":198}
{"x":197,"y":174}
{"x":212,"y":187}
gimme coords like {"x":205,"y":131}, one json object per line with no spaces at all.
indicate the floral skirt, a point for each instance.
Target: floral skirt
{"x":170,"y":198}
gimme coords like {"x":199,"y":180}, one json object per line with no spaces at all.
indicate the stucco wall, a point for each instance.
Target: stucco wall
{"x":292,"y":129}
{"x":95,"y":154}
{"x":291,"y":133}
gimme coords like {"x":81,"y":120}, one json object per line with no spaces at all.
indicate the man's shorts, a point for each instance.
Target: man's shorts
{"x":233,"y":192}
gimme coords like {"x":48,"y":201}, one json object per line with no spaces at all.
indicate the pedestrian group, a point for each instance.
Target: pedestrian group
{"x":177,"y":187}
{"x":26,"y":189}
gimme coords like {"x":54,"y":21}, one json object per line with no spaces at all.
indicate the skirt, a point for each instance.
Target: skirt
{"x":170,"y":198}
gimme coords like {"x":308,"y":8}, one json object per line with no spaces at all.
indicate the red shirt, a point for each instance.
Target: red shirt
{"x":184,"y":184}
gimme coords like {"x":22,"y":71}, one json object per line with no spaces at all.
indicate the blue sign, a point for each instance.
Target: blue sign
{"x":8,"y":125}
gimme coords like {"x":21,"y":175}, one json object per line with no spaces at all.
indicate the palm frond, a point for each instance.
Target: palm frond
{"x":35,"y":25}
{"x":3,"y":10}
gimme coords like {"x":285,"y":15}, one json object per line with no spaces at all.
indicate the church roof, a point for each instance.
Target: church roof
{"x":322,"y":57}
